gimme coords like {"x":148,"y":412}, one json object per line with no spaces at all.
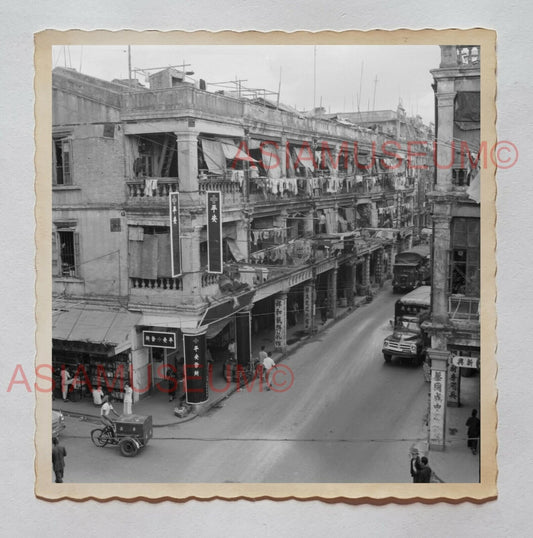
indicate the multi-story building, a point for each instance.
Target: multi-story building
{"x":454,"y":325}
{"x":310,"y":208}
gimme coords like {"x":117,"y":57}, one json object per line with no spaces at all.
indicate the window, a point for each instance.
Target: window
{"x":464,"y":257}
{"x":65,"y":252}
{"x":61,"y":159}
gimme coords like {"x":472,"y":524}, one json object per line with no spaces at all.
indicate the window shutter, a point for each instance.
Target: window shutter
{"x":67,"y":156}
{"x":55,"y":255}
{"x":77,"y":259}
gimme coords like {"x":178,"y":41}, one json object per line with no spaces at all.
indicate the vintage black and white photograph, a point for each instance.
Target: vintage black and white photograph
{"x":266,"y":264}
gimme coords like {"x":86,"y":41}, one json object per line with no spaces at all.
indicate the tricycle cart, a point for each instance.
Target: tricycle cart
{"x":131,"y":433}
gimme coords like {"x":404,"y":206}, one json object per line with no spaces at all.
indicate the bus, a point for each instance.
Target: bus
{"x":408,"y":341}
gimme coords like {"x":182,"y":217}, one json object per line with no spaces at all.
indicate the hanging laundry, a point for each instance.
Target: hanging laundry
{"x":150,"y":187}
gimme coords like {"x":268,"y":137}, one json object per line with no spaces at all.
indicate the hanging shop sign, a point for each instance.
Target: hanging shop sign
{"x":196,"y":371}
{"x":465,"y":362}
{"x":165,"y":340}
{"x":214,"y":232}
{"x":280,"y":330}
{"x":175,"y":246}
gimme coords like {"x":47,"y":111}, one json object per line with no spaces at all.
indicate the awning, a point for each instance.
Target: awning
{"x":233,"y":152}
{"x":304,"y":157}
{"x":230,"y":306}
{"x":236,"y":252}
{"x":214,"y":156}
{"x":95,"y":325}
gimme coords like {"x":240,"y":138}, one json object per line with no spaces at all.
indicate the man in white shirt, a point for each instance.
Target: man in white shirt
{"x":98,"y":394}
{"x":105,"y":410}
{"x":262,"y":354}
{"x":268,"y":364}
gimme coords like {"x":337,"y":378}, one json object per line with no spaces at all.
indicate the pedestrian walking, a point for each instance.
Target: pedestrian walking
{"x":473,"y":432}
{"x":232,"y":350}
{"x":414,"y":465}
{"x":424,"y":474}
{"x":58,"y":459}
{"x":324,"y":309}
{"x":262,"y":354}
{"x":172,"y":383}
{"x":268,"y":364}
{"x":128,"y":399}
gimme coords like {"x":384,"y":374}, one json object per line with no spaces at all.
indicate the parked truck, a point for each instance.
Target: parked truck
{"x":408,"y":341}
{"x":411,"y":269}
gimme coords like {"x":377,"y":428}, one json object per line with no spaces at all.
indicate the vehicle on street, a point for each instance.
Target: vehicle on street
{"x":130,"y":432}
{"x":408,"y":341}
{"x":411,"y":269}
{"x":58,"y":423}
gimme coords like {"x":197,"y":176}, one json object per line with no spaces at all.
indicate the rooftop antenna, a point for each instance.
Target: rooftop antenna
{"x":279,"y":86}
{"x":360,"y":87}
{"x":129,"y":66}
{"x":374,"y":100}
{"x":314,"y":80}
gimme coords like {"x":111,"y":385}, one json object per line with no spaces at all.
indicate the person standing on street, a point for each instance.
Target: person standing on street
{"x":268,"y":364}
{"x":262,"y":354}
{"x":415,"y":464}
{"x":66,"y":380}
{"x":424,"y":475}
{"x":58,"y":459}
{"x":473,"y":432}
{"x":98,"y":394}
{"x":128,"y":399}
{"x":232,"y":350}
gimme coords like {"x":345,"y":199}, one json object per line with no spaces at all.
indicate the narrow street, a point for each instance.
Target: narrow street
{"x":339,"y":414}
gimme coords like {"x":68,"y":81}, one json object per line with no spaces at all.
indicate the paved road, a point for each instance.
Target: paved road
{"x":339,"y":414}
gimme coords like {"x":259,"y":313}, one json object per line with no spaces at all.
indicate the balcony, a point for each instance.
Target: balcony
{"x":151,"y":190}
{"x":158,"y":291}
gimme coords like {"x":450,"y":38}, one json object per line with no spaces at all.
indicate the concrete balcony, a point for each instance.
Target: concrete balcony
{"x":150,"y":191}
{"x":159,"y":291}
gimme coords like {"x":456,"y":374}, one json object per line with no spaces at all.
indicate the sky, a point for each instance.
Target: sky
{"x":345,"y":74}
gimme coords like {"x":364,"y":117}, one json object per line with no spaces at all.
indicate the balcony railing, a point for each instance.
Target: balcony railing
{"x":467,"y":55}
{"x":152,"y":187}
{"x":209,"y":279}
{"x":461,"y":307}
{"x":157,"y":283}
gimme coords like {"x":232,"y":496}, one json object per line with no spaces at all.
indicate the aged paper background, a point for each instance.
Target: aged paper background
{"x":508,"y":515}
{"x":486,"y":489}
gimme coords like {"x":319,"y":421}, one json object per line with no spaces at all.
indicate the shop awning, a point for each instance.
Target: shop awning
{"x":218,"y":312}
{"x":233,"y":152}
{"x":111,"y":328}
{"x":214,"y":156}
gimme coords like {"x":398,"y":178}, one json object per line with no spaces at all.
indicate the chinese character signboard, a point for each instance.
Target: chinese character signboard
{"x":437,"y":406}
{"x":214,"y":232}
{"x":159,"y":339}
{"x":196,"y":374}
{"x":280,"y":330}
{"x":175,"y":250}
{"x":465,"y":361}
{"x":308,"y":307}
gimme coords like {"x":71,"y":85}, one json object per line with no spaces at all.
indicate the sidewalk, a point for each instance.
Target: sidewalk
{"x":456,"y":463}
{"x":162,"y":411}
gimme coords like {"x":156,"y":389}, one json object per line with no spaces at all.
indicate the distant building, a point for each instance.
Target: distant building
{"x":299,"y":225}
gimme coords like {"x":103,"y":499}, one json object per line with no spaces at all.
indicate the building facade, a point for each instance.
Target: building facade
{"x":311,"y":214}
{"x":454,"y":325}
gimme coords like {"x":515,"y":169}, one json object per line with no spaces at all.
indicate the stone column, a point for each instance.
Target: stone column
{"x":437,"y":398}
{"x":445,"y":141}
{"x":439,"y":275}
{"x":243,"y":337}
{"x":309,"y":306}
{"x":190,"y":245}
{"x":187,"y":161}
{"x":282,"y":152}
{"x":332,"y":292}
{"x":280,"y":322}
{"x":454,"y":385}
{"x":196,"y":369}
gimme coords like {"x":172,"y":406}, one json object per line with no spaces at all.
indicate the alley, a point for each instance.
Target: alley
{"x":339,"y":414}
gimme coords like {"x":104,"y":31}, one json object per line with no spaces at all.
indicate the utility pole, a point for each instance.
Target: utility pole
{"x":129,"y":66}
{"x":360,"y":88}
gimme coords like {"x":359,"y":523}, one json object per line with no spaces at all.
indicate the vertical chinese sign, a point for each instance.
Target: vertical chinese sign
{"x":175,"y":250}
{"x":308,"y":307}
{"x":214,"y":232}
{"x":437,"y":407}
{"x":195,"y":368}
{"x":280,"y":330}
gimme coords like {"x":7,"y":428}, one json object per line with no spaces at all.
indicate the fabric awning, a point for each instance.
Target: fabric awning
{"x":214,"y":156}
{"x":95,"y":325}
{"x":304,"y":156}
{"x":271,"y":160}
{"x":236,"y":252}
{"x":233,"y":152}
